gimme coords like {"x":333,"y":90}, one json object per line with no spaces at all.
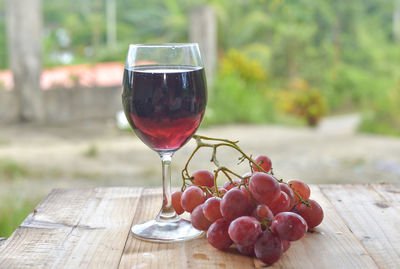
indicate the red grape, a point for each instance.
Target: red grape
{"x":285,"y":245}
{"x":260,"y":214}
{"x":289,"y":226}
{"x":263,"y":212}
{"x":264,"y":187}
{"x":246,"y":250}
{"x":268,"y":248}
{"x":221,"y":190}
{"x":199,"y":221}
{"x":245,"y":191}
{"x":203,"y":178}
{"x":229,"y":185}
{"x":234,"y":204}
{"x":292,"y":197}
{"x":218,"y":236}
{"x":300,"y":188}
{"x":312,"y":215}
{"x":253,"y":204}
{"x":246,"y":176}
{"x":211,"y":209}
{"x":281,"y":204}
{"x":244,"y":230}
{"x":176,"y":202}
{"x":262,"y":161}
{"x":191,"y":198}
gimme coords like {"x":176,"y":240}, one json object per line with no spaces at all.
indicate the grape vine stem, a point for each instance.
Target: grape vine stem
{"x":215,"y":143}
{"x":218,"y":142}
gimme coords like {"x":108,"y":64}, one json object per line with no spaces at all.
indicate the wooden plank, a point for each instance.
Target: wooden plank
{"x":32,"y":236}
{"x":372,"y":217}
{"x":191,"y":254}
{"x":390,"y":193}
{"x":74,"y":229}
{"x":109,"y":215}
{"x":91,"y":229}
{"x":331,"y":245}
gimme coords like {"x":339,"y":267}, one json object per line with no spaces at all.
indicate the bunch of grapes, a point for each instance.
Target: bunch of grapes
{"x":256,"y":212}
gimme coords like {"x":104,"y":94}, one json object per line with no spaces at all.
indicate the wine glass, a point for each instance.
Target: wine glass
{"x":164,"y":98}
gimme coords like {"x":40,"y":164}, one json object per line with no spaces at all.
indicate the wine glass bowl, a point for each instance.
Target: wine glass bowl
{"x":164,"y":98}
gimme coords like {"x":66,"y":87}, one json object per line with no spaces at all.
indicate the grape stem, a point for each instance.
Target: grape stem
{"x":266,"y":223}
{"x":218,"y":143}
{"x":215,"y":143}
{"x":301,"y":200}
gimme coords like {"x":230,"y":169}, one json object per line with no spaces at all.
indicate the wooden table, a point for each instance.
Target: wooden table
{"x":90,"y":228}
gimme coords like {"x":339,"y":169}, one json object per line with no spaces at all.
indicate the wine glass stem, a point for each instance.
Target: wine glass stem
{"x":167,"y":212}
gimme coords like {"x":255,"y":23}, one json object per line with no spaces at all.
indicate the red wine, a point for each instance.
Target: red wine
{"x":164,"y":104}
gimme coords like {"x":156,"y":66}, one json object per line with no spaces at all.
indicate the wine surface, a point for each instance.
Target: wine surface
{"x":164,"y":104}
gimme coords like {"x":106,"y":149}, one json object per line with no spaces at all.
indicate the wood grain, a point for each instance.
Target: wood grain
{"x":191,"y":254}
{"x":73,"y":229}
{"x":90,"y":228}
{"x":372,"y":217}
{"x":331,"y":245}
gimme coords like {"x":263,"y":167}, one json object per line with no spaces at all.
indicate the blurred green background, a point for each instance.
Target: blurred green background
{"x":300,"y":59}
{"x":284,"y":62}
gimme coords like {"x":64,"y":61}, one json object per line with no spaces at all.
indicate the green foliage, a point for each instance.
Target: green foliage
{"x":91,"y":152}
{"x":303,"y":101}
{"x":247,"y":69}
{"x":10,"y":169}
{"x":235,"y":101}
{"x":384,"y":117}
{"x":85,"y":24}
{"x":351,"y":86}
{"x":13,"y":210}
{"x":380,"y":122}
{"x":345,"y":49}
{"x":240,"y":93}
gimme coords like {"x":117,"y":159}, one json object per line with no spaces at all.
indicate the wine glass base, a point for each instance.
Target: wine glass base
{"x":166,"y":232}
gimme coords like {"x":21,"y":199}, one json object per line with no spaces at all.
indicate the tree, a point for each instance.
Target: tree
{"x":24,"y":50}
